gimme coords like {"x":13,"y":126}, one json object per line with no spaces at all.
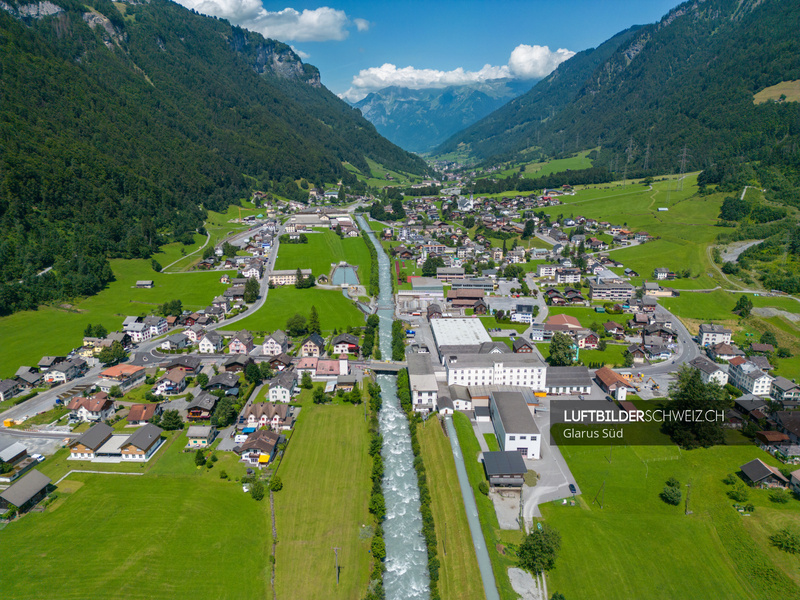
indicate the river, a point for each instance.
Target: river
{"x":406,"y":574}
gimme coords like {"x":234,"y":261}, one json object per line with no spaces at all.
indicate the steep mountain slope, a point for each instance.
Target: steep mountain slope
{"x":419,"y":120}
{"x":686,"y":81}
{"x":120,"y":123}
{"x":517,"y":122}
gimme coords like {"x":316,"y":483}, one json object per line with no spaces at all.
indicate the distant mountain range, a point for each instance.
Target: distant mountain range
{"x":121,"y":123}
{"x":686,"y":82}
{"x":420,"y":120}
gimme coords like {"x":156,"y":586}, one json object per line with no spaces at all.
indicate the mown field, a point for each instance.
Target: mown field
{"x":323,"y":504}
{"x":637,"y":546}
{"x":459,"y":577}
{"x":325,"y":248}
{"x":56,"y":330}
{"x":175,"y":532}
{"x":335,"y":311}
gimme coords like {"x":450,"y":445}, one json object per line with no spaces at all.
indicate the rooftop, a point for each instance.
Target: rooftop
{"x":514,"y":413}
{"x":457,"y":332}
{"x":504,"y":463}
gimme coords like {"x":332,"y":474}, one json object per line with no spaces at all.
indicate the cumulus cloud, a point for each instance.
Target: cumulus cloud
{"x":525,"y":62}
{"x":317,"y":25}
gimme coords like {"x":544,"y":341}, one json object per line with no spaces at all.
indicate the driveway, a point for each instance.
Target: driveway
{"x":554,"y":474}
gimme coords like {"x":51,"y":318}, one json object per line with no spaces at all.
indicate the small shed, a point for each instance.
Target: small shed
{"x":144,"y":283}
{"x":504,"y":469}
{"x":26,"y":492}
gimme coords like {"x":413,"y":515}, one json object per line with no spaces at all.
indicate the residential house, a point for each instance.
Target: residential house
{"x":195,"y":333}
{"x":522,"y":346}
{"x":345,"y":343}
{"x":124,"y":376}
{"x":282,"y":386}
{"x":95,"y":408}
{"x":784,"y":390}
{"x":157,"y":325}
{"x":614,"y":328}
{"x":85,"y":447}
{"x":142,"y":445}
{"x":190,"y":365}
{"x":237,"y":363}
{"x":287,"y":276}
{"x":749,"y":378}
{"x":424,"y":387}
{"x":280,"y":362}
{"x":8,"y":389}
{"x":241,"y":343}
{"x":275,"y":343}
{"x":710,"y":371}
{"x":711,"y":335}
{"x":760,"y":474}
{"x":224,"y":381}
{"x":140,"y":414}
{"x":313,"y":345}
{"x":276,"y":416}
{"x":723,"y":351}
{"x":177,"y":341}
{"x":200,"y":436}
{"x":259,"y":448}
{"x":434,"y":311}
{"x":661,"y":273}
{"x":173,"y":382}
{"x":66,"y":371}
{"x":212,"y":343}
{"x":201,"y":407}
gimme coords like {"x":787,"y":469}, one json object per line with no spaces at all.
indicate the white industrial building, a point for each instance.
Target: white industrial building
{"x":513,"y":424}
{"x":424,"y":387}
{"x":525,"y":370}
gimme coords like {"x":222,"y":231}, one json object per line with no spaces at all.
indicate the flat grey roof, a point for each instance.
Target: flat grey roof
{"x":459,"y":332}
{"x":514,"y":413}
{"x":504,"y":463}
{"x":26,"y":488}
{"x":562,"y":376}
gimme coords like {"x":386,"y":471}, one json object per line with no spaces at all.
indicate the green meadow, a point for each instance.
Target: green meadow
{"x":324,"y":249}
{"x":323,"y":504}
{"x":335,"y":311}
{"x":459,"y":577}
{"x":54,"y":330}
{"x":622,"y":541}
{"x":175,"y":532}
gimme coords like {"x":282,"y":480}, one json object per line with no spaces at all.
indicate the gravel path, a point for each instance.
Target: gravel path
{"x":732,"y":251}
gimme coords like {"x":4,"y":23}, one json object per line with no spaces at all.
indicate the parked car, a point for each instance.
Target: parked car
{"x":572,"y":489}
{"x":37,"y":457}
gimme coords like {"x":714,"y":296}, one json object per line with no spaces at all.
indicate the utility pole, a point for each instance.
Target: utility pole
{"x":336,"y":552}
{"x":683,"y":168}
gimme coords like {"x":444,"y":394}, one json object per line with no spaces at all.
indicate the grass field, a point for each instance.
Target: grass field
{"x":167,"y":534}
{"x":637,"y":546}
{"x":323,"y":249}
{"x":459,"y":577}
{"x":335,"y":311}
{"x":499,"y":542}
{"x":612,"y":356}
{"x":56,"y":330}
{"x":789,"y":89}
{"x":323,"y":504}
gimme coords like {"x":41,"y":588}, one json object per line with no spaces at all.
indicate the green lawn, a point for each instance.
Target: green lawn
{"x":613,"y":355}
{"x":491,"y":442}
{"x":323,"y":504}
{"x":497,"y":540}
{"x":491,"y":323}
{"x":323,"y":249}
{"x":57,"y":330}
{"x":176,"y":532}
{"x":335,"y":311}
{"x":459,"y":577}
{"x":637,"y":546}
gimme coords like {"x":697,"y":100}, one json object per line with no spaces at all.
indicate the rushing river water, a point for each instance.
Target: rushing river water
{"x":406,"y":556}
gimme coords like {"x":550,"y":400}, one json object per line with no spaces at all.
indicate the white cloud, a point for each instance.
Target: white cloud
{"x":525,"y":62}
{"x":300,"y":53}
{"x":535,"y":62}
{"x":317,"y":25}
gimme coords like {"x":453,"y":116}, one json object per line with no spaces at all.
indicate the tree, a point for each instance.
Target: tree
{"x":430,"y":265}
{"x":378,"y":548}
{"x":199,"y":458}
{"x":305,"y":381}
{"x":251,"y":289}
{"x":265,"y":370}
{"x":671,"y":495}
{"x":354,"y":395}
{"x":743,"y":306}
{"x":602,"y":345}
{"x":115,"y":391}
{"x":557,"y":596}
{"x":257,"y":490}
{"x":313,"y":321}
{"x":252,"y":373}
{"x":112,"y":355}
{"x":690,"y":396}
{"x":787,"y":540}
{"x":296,"y":325}
{"x":769,"y":338}
{"x":276,"y":485}
{"x":780,"y":496}
{"x":299,"y":279}
{"x":539,"y":549}
{"x":201,"y":380}
{"x":171,"y":420}
{"x":224,"y":412}
{"x":530,"y":229}
{"x":319,"y":396}
{"x":561,"y":353}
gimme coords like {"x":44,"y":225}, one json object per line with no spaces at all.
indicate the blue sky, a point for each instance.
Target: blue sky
{"x":361,"y":46}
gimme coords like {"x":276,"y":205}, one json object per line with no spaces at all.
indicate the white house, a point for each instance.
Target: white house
{"x":212,"y":343}
{"x":275,"y":344}
{"x":710,"y":335}
{"x":710,"y":371}
{"x":424,"y":388}
{"x":749,"y":378}
{"x":282,"y":387}
{"x":513,"y":424}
